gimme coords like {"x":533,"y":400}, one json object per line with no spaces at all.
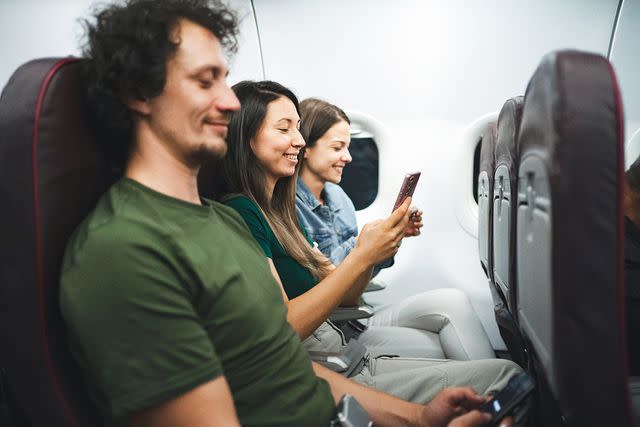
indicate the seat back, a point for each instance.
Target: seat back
{"x":485,"y":196}
{"x":504,"y":199}
{"x":570,"y":239}
{"x":51,"y":176}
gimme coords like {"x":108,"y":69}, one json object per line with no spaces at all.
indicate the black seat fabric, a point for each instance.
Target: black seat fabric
{"x":51,"y":175}
{"x":504,"y":199}
{"x":485,"y":198}
{"x":569,"y":238}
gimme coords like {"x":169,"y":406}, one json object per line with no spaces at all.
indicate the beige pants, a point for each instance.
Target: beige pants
{"x":419,"y":380}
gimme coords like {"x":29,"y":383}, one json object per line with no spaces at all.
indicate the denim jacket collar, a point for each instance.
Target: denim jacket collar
{"x":311,"y":201}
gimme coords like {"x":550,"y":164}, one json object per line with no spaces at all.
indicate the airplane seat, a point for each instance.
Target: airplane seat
{"x":51,"y":175}
{"x":486,"y":169}
{"x":504,"y":206}
{"x":570,"y":241}
{"x":485,"y":196}
{"x":503,"y":226}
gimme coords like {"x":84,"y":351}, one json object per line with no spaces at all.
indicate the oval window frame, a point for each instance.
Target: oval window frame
{"x":466,"y":207}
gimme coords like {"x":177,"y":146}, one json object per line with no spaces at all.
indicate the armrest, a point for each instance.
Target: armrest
{"x":351,"y":357}
{"x":342,"y":314}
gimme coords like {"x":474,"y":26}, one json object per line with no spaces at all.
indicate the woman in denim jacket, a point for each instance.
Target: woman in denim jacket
{"x":438,"y":323}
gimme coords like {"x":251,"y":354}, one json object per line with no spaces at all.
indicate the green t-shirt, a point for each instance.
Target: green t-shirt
{"x":296,"y":280}
{"x":160,"y":296}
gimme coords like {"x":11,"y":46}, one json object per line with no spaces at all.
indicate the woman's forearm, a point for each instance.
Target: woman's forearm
{"x":343,"y":286}
{"x":352,"y":297}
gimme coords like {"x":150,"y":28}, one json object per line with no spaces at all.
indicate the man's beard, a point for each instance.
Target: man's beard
{"x":205,"y":154}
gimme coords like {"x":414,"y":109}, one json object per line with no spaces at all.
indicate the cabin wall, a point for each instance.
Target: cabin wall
{"x":425,"y":69}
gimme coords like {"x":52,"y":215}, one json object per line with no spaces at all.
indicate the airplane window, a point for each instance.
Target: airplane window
{"x":467,"y":165}
{"x":476,"y":169}
{"x":360,"y":178}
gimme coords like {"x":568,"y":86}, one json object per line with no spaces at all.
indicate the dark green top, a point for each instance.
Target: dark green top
{"x":160,"y":296}
{"x":295,"y":279}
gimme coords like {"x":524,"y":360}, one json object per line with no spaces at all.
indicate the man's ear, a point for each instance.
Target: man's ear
{"x":138,"y":104}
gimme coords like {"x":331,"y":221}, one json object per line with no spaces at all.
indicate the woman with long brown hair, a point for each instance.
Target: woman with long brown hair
{"x":260,"y":172}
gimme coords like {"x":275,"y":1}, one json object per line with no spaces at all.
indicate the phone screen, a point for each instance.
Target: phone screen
{"x":509,"y":397}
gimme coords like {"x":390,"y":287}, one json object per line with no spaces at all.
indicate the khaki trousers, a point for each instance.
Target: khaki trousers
{"x":419,"y":380}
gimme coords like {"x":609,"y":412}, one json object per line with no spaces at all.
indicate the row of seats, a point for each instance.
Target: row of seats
{"x":551,"y":238}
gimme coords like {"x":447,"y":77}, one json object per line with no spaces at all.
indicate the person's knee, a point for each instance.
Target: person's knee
{"x":449,"y":296}
{"x":457,"y":298}
{"x":451,"y":303}
{"x":510,"y":368}
{"x":502,"y":365}
{"x":499,"y":371}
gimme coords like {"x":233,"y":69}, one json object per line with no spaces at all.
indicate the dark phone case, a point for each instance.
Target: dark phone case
{"x":408,"y":187}
{"x":514,"y":393}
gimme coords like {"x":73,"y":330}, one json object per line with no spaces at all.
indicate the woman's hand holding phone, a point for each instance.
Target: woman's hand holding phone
{"x":415,"y":223}
{"x":379,"y":240}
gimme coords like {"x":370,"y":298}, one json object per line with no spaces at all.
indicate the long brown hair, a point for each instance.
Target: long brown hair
{"x":243,"y":173}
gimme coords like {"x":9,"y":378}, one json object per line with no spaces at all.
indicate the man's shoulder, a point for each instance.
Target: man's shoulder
{"x":101,"y":237}
{"x":233,"y":214}
{"x":116,"y":223}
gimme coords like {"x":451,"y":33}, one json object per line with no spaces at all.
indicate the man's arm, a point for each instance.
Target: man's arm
{"x":387,"y":410}
{"x":384,"y":409}
{"x":208,"y":405}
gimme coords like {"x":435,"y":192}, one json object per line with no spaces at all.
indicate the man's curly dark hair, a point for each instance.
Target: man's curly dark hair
{"x":127,"y":49}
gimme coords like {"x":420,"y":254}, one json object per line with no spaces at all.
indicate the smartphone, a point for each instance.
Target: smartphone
{"x":515,"y":392}
{"x":408,"y":187}
{"x":350,"y":414}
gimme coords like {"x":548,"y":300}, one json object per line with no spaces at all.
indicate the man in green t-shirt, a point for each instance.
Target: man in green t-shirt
{"x":172,"y":312}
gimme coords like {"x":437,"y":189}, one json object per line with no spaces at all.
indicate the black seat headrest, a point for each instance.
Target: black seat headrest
{"x":487,"y":149}
{"x":508,"y":127}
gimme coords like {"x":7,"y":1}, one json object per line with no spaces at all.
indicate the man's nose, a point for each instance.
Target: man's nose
{"x":228,"y":101}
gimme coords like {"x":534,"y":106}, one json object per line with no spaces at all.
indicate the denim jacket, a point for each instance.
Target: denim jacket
{"x":332,"y":225}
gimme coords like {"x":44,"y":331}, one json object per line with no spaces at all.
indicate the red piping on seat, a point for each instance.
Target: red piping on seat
{"x":620,"y":237}
{"x":38,"y":248}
